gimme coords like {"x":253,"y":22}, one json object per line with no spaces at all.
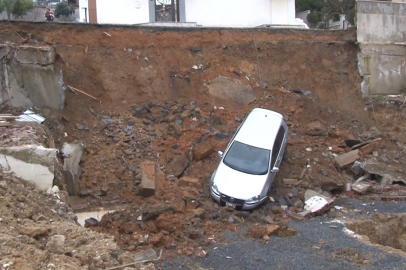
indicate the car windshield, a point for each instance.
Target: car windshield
{"x":247,"y":159}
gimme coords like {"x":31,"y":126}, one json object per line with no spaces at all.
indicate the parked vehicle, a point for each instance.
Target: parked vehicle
{"x":251,"y":160}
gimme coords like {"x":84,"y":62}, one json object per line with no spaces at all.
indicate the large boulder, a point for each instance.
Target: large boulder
{"x":231,"y":89}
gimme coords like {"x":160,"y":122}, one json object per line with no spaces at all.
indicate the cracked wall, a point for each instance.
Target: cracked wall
{"x":381,"y":32}
{"x":29,"y":76}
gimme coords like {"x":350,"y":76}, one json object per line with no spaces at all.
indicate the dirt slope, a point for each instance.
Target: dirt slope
{"x":153,"y":105}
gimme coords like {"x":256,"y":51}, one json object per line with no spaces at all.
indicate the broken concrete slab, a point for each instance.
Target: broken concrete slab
{"x":231,"y":89}
{"x":318,"y":204}
{"x":311,"y":193}
{"x":71,"y":170}
{"x":32,"y":163}
{"x":148,"y":174}
{"x":347,"y":158}
{"x":362,"y":187}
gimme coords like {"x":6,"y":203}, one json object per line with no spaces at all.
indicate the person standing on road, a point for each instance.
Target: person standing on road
{"x":49,"y":15}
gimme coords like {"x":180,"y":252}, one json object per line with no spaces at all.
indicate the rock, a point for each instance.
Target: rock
{"x":315,"y":129}
{"x":91,"y":222}
{"x":147,"y":186}
{"x":347,"y":158}
{"x":55,"y":244}
{"x":361,"y":187}
{"x":169,"y":222}
{"x":34,"y":232}
{"x":178,"y":165}
{"x":324,"y":172}
{"x":294,"y":216}
{"x":85,"y":192}
{"x":237,"y":119}
{"x":330,"y":184}
{"x":288,"y":181}
{"x":231,"y":89}
{"x":356,"y":168}
{"x":32,"y":163}
{"x":276,"y":209}
{"x":258,"y":232}
{"x":153,"y":211}
{"x":272,"y":229}
{"x":298,"y":203}
{"x":269,"y":219}
{"x":202,"y":150}
{"x":187,"y":181}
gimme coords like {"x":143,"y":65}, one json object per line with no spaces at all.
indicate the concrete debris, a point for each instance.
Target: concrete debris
{"x":148,"y":176}
{"x":30,"y":116}
{"x":347,"y":158}
{"x":32,"y":163}
{"x":318,"y":204}
{"x":361,"y":187}
{"x":72,"y":156}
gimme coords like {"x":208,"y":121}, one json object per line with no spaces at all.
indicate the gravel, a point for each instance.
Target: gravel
{"x":316,"y":245}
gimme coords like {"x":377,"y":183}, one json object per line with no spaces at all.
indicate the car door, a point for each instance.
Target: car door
{"x":276,"y":157}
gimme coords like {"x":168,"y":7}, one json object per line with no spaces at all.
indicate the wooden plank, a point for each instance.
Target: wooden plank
{"x":347,"y":158}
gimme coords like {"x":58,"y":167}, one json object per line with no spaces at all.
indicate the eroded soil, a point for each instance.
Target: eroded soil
{"x":152,"y":105}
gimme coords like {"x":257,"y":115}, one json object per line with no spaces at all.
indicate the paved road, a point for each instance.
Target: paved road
{"x":298,"y":252}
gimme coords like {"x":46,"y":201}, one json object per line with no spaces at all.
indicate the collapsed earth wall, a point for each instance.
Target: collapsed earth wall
{"x":119,"y":65}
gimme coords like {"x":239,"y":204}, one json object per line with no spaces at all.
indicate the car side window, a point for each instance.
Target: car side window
{"x":277,"y":145}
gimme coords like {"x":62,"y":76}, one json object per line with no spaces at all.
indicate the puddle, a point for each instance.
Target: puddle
{"x":385,"y":230}
{"x":82,"y":216}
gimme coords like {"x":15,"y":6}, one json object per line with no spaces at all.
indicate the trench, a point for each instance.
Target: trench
{"x":386,"y":230}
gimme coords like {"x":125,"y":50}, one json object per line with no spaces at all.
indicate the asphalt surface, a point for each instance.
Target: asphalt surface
{"x":316,"y":245}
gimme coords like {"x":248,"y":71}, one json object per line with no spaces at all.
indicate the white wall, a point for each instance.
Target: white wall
{"x":122,"y":11}
{"x":82,"y":16}
{"x":229,"y":13}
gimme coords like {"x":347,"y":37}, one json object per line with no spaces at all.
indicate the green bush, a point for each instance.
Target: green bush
{"x":63,"y":9}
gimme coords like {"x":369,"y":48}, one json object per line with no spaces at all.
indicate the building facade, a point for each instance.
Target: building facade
{"x":208,"y":13}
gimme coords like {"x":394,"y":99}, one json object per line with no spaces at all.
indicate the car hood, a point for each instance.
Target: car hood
{"x":238,"y":184}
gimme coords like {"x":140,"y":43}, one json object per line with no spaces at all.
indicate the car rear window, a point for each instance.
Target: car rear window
{"x":247,"y":159}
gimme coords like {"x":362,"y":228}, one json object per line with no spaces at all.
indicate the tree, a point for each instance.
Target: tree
{"x":64,"y":10}
{"x":313,"y":18}
{"x":16,"y":7}
{"x":21,"y":7}
{"x":312,"y":5}
{"x":351,"y":16}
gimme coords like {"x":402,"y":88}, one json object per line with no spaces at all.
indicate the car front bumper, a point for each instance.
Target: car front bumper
{"x":244,"y":206}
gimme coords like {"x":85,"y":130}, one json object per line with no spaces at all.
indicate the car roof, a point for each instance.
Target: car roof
{"x":260,"y":128}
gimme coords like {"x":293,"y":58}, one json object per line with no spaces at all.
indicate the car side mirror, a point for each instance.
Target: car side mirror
{"x":275,"y":169}
{"x":220,"y":153}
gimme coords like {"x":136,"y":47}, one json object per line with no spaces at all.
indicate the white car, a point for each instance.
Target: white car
{"x":251,"y":160}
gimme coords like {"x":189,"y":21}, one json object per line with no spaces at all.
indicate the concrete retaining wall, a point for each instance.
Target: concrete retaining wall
{"x":28,"y":75}
{"x":382,"y":37}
